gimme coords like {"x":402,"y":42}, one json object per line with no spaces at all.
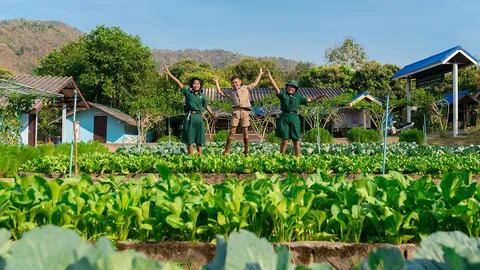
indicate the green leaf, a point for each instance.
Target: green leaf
{"x":175,"y":221}
{"x":283,"y":258}
{"x":220,"y":257}
{"x":320,"y":266}
{"x":385,"y":258}
{"x":48,"y":247}
{"x":432,"y":248}
{"x":4,"y":241}
{"x":246,"y":251}
{"x":221,"y":219}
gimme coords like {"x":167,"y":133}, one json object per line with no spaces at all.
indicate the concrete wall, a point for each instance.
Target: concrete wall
{"x":24,"y":129}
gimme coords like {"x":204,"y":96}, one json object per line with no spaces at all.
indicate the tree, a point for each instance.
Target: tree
{"x":106,"y":63}
{"x":300,"y":68}
{"x":468,"y":79}
{"x":434,"y":106}
{"x":156,"y":100}
{"x":267,"y":106}
{"x":221,"y":110}
{"x":327,"y":76}
{"x":349,"y":53}
{"x":327,"y":110}
{"x":247,"y":70}
{"x":186,"y":69}
{"x":376,"y":79}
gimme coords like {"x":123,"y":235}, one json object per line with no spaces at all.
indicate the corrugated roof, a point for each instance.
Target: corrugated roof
{"x":448,"y":98}
{"x":431,"y":61}
{"x":115,"y":113}
{"x":127,"y":119}
{"x":54,"y":85}
{"x":48,"y":83}
{"x":365,"y":95}
{"x":259,"y":93}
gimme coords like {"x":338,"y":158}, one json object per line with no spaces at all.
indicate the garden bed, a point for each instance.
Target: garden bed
{"x":339,"y":255}
{"x":217,"y":178}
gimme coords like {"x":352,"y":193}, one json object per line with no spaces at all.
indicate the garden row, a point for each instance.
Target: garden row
{"x":13,"y":157}
{"x":55,"y":248}
{"x":371,"y":148}
{"x":125,"y":163}
{"x":391,"y":209}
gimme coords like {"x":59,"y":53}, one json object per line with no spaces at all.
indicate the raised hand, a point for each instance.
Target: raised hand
{"x":165,"y":69}
{"x":268,"y":73}
{"x":261,"y":71}
{"x":215,"y":80}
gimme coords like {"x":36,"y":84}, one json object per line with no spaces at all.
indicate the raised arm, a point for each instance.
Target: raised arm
{"x":257,"y":80}
{"x":209,"y":110}
{"x":219,"y":90}
{"x":315,"y":98}
{"x":272,"y":81}
{"x":165,"y":69}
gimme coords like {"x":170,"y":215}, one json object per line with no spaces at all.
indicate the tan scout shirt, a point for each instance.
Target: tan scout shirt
{"x":241,"y":97}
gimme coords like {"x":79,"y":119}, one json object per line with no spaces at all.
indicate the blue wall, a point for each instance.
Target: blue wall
{"x":116,"y":132}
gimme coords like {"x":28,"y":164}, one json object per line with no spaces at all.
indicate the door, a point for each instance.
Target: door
{"x":32,"y":130}
{"x":100,"y":129}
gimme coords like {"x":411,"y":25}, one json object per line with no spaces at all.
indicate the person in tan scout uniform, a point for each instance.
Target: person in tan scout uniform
{"x":240,"y":98}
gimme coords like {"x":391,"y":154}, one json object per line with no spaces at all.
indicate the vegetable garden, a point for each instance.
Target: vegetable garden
{"x":179,"y":206}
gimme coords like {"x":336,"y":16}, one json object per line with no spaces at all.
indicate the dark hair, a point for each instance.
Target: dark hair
{"x":234,"y":78}
{"x":196,"y":79}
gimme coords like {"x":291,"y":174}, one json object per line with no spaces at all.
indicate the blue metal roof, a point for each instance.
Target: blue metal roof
{"x":448,"y":98}
{"x":365,"y":93}
{"x":432,"y":60}
{"x":359,"y":95}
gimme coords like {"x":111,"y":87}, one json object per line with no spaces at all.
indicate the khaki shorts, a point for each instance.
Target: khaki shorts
{"x":241,"y":117}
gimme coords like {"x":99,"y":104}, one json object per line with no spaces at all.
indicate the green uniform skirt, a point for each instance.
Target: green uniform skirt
{"x":288,"y":127}
{"x":193,"y":129}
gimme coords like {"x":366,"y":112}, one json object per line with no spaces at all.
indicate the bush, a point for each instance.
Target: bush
{"x":311,"y":136}
{"x":165,"y":139}
{"x":412,"y":135}
{"x":363,"y":135}
{"x":271,"y":138}
{"x":222,"y":136}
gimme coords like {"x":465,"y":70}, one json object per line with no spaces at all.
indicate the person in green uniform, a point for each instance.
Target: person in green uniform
{"x":288,"y":126}
{"x":193,"y":126}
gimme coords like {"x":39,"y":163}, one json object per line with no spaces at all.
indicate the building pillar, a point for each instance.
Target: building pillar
{"x":36,"y":129}
{"x":364,"y":119}
{"x":64,"y":123}
{"x":409,"y":110}
{"x":455,"y":100}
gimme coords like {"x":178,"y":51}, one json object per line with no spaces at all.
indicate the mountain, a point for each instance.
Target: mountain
{"x":23,"y":42}
{"x":216,"y":58}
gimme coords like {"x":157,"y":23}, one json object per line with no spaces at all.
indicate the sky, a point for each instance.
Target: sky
{"x":398,"y":32}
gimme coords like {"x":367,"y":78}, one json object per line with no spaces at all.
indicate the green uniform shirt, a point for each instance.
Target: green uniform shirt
{"x":291,"y":104}
{"x":194,"y":102}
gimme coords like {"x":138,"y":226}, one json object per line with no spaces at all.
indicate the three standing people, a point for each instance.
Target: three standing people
{"x":288,"y":126}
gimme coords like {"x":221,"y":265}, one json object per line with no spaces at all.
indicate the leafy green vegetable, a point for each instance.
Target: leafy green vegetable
{"x":394,"y":208}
